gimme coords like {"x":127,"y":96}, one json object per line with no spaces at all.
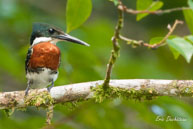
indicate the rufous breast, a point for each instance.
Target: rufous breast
{"x":45,"y":54}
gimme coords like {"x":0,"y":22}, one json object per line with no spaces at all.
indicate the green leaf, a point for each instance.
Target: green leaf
{"x":147,"y":5}
{"x":77,"y":13}
{"x":155,"y":40}
{"x":142,"y":5}
{"x":182,"y":46}
{"x":115,"y":2}
{"x":175,"y":53}
{"x":189,"y":38}
{"x":188,"y":15}
{"x":190,"y":3}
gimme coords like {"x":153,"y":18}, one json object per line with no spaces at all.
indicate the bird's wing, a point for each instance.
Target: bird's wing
{"x":29,"y":53}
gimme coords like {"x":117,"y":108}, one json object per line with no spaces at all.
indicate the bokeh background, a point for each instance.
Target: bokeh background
{"x":81,"y":64}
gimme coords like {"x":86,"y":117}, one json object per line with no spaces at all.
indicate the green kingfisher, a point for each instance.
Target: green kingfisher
{"x":43,"y":57}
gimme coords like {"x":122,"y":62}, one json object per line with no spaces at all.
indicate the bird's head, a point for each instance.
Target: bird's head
{"x":43,"y":32}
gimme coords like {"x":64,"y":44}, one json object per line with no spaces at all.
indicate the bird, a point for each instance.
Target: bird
{"x":43,"y":56}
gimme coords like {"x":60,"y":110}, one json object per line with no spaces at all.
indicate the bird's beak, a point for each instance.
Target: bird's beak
{"x":69,"y":38}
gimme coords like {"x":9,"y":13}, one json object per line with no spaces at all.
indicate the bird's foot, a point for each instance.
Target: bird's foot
{"x":26,"y":91}
{"x":49,"y":88}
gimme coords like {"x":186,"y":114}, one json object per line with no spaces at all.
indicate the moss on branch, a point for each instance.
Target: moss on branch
{"x":42,"y":99}
{"x":100,"y":94}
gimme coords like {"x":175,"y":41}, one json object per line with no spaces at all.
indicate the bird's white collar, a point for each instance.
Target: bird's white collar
{"x":44,"y":39}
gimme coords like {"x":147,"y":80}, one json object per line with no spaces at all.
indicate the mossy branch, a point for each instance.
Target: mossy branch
{"x":130,"y":89}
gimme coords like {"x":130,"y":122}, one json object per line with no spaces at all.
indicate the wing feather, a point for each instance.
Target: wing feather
{"x":29,"y":53}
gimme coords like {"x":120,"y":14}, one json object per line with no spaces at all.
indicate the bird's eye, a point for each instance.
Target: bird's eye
{"x":51,"y":31}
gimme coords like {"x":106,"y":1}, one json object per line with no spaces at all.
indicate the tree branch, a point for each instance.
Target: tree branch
{"x":156,"y":45}
{"x":116,"y":47}
{"x":134,"y":12}
{"x":84,"y":91}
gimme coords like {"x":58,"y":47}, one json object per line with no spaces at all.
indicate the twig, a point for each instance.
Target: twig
{"x":49,"y":114}
{"x":131,"y":11}
{"x":156,"y":45}
{"x":116,"y":47}
{"x":83,"y":91}
{"x":134,"y":42}
{"x":68,"y":118}
{"x":171,"y":30}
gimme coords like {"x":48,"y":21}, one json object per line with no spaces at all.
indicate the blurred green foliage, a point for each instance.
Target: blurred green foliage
{"x":81,"y":64}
